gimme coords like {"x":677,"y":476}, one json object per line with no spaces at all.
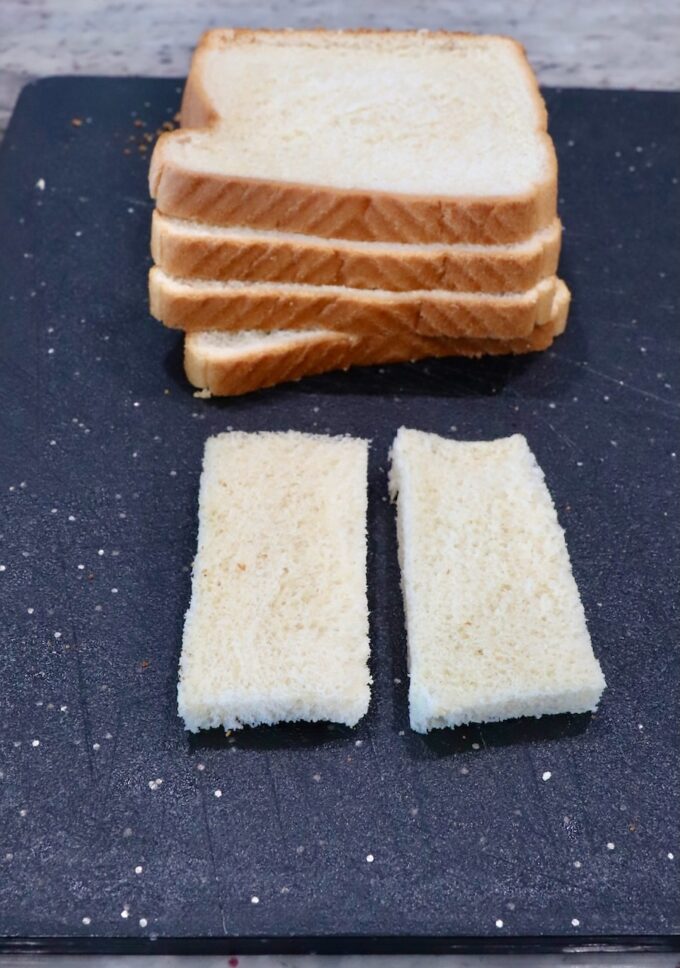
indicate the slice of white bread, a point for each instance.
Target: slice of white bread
{"x":277,"y":628}
{"x":195,"y":250}
{"x":495,"y":624}
{"x":228,"y":364}
{"x":192,"y":304}
{"x":394,"y":136}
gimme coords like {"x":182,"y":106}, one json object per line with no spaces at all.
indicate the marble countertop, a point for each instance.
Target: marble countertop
{"x":598,"y":44}
{"x":583,"y":960}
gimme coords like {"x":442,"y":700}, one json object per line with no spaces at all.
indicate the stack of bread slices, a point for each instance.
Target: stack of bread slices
{"x":340,"y":198}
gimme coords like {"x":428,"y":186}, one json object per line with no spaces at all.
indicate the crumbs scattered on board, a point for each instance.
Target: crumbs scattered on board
{"x":142,"y":138}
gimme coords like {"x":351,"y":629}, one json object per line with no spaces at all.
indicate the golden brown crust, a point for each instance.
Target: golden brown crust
{"x":323,"y":352}
{"x":316,"y":261}
{"x":253,"y":370}
{"x":181,"y":305}
{"x":347,"y":213}
{"x":356,"y":214}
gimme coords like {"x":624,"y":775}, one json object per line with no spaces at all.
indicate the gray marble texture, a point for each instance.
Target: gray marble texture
{"x":576,"y":960}
{"x":599,"y":43}
{"x":588,"y":43}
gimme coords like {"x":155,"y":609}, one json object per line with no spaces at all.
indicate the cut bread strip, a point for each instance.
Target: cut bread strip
{"x":375,"y":135}
{"x":201,"y":304}
{"x":495,"y":625}
{"x":228,"y":364}
{"x":277,"y":628}
{"x":195,"y":250}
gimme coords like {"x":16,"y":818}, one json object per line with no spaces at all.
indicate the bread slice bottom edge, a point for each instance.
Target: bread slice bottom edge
{"x":196,"y":250}
{"x":193,"y":304}
{"x":231,"y":364}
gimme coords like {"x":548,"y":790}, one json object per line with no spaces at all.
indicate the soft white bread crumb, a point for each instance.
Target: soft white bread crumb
{"x":277,"y":628}
{"x":495,"y":624}
{"x":433,"y":114}
{"x":223,"y":345}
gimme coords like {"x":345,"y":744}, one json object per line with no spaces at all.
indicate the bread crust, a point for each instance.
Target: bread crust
{"x":357,"y":214}
{"x":257,"y":368}
{"x":182,"y":305}
{"x":313,"y":260}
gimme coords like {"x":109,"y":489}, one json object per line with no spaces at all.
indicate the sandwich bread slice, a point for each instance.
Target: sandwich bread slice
{"x":413,"y":136}
{"x":277,"y":627}
{"x":494,"y":621}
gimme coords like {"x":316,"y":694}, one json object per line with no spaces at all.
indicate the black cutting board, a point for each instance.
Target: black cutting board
{"x":100,"y":454}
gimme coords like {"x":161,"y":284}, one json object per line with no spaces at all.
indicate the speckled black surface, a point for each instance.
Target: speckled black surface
{"x":100,"y":454}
